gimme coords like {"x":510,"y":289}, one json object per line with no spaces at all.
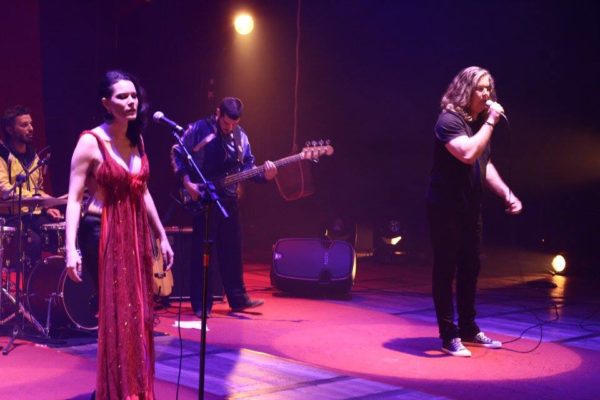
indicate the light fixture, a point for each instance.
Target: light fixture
{"x":390,"y":241}
{"x":244,"y":24}
{"x":559,"y":264}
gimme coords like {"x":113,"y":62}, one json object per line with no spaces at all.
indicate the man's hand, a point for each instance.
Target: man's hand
{"x":513,"y":204}
{"x":270,"y":170}
{"x":195,"y":190}
{"x":54,"y":213}
{"x":495,"y":111}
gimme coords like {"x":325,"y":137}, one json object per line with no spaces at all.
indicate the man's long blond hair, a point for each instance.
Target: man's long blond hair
{"x":458,"y":95}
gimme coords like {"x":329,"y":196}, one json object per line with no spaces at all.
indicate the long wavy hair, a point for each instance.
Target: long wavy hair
{"x":134,"y":128}
{"x":458,"y":95}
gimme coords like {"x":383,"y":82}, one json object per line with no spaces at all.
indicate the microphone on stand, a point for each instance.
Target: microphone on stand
{"x":159,"y":117}
{"x":44,"y":162}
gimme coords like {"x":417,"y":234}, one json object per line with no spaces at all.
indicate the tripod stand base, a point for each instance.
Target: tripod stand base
{"x":26,"y":314}
{"x":11,"y":342}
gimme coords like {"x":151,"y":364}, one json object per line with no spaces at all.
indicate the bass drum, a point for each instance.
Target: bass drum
{"x":74,"y":305}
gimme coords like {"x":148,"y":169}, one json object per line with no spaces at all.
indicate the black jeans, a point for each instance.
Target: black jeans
{"x":226,"y":254}
{"x":456,"y":240}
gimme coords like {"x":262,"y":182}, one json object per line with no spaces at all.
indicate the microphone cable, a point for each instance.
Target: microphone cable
{"x":513,"y":229}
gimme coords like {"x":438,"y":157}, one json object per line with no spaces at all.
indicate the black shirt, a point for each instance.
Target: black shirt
{"x":217,"y":156}
{"x":454,"y":184}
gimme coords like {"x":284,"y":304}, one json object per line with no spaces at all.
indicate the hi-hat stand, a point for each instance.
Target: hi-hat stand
{"x":21,"y":314}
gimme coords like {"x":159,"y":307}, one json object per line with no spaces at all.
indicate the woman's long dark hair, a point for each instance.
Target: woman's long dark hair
{"x":134,"y":128}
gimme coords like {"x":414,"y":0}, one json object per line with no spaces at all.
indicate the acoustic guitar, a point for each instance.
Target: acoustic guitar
{"x":162,"y":281}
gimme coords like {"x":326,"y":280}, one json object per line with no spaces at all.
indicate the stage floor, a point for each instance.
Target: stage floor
{"x":380,"y":343}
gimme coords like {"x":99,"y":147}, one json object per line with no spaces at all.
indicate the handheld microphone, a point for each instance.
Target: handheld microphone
{"x":159,"y":116}
{"x":490,"y":103}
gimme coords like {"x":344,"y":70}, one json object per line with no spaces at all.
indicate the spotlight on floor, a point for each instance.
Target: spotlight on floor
{"x":555,"y":266}
{"x":244,"y":24}
{"x":390,"y":241}
{"x":559,"y":264}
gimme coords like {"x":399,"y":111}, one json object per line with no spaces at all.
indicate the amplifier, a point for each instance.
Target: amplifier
{"x":181,"y":242}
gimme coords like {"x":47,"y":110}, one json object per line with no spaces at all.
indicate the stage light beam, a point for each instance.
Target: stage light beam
{"x":244,"y":24}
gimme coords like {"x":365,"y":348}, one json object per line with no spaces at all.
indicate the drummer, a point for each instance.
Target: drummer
{"x":18,"y":160}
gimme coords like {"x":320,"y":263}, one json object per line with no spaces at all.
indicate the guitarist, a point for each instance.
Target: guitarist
{"x":219,"y":146}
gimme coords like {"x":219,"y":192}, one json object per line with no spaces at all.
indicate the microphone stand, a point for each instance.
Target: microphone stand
{"x":25,"y":178}
{"x":210,"y":197}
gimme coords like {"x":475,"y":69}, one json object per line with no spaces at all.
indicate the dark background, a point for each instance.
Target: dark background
{"x":372,"y":73}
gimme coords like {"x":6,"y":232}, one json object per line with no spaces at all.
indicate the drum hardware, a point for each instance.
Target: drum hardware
{"x":34,"y":202}
{"x":5,"y":292}
{"x":47,"y":299}
{"x":56,"y":301}
{"x":21,"y":314}
{"x":6,"y":240}
{"x":50,"y":300}
{"x":53,"y":238}
{"x":22,"y":310}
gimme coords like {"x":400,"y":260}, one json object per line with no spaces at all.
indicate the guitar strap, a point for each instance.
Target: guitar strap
{"x":199,"y":148}
{"x":209,"y":138}
{"x":237,"y":138}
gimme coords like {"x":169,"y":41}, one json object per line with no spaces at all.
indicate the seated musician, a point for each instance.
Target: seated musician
{"x":19,"y":163}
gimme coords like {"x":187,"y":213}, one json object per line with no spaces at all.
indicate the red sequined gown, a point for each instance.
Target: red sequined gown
{"x":125,"y":341}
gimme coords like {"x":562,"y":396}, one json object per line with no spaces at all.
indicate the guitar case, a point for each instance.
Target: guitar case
{"x":313,"y":266}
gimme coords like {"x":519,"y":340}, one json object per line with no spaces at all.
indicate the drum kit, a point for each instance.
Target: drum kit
{"x":44,"y":295}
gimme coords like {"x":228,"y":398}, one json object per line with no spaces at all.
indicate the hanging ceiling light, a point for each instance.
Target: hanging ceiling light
{"x":243,"y":23}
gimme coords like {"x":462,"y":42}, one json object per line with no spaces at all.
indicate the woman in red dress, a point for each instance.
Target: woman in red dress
{"x":110,"y":161}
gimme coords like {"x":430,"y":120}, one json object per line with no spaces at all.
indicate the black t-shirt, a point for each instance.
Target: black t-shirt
{"x":454,"y":184}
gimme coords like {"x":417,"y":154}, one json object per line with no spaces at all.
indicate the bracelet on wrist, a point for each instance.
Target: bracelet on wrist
{"x":489,"y":123}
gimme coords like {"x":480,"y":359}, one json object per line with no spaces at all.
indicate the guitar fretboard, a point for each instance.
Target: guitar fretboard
{"x":251,"y":173}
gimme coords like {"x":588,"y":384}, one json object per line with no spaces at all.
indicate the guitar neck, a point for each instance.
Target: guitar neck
{"x":251,"y":173}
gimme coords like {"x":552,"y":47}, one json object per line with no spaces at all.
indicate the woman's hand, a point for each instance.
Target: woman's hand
{"x":167,"y":254}
{"x":74,"y":265}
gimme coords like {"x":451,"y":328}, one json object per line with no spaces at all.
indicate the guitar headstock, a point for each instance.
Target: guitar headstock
{"x":314,"y":149}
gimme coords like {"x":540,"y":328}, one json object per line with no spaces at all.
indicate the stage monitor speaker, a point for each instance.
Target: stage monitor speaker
{"x":181,"y":242}
{"x":313,"y":266}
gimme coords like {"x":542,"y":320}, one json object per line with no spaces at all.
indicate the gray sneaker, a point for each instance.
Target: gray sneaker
{"x":482,"y":340}
{"x":455,"y":348}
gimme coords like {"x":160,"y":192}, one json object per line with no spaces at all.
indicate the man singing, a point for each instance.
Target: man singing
{"x":461,"y":168}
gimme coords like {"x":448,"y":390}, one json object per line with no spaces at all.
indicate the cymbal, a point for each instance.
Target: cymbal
{"x":34,"y":202}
